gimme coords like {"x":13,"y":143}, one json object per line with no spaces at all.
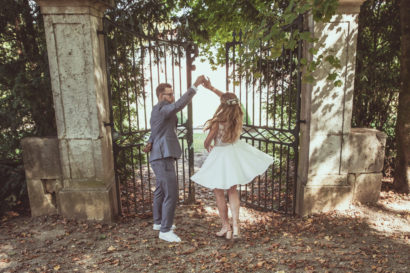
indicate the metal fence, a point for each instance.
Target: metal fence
{"x":269,"y":90}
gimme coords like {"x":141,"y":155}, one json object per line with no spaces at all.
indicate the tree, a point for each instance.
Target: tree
{"x":25,"y":93}
{"x":25,"y":88}
{"x":210,"y":23}
{"x":377,"y":78}
{"x":402,"y":171}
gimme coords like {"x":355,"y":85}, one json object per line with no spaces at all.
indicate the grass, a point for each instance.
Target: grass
{"x":199,"y":139}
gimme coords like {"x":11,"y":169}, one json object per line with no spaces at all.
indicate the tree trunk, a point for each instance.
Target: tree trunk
{"x":402,"y":169}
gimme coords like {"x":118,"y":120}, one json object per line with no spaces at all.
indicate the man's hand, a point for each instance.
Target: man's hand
{"x":199,"y":80}
{"x":147,"y":147}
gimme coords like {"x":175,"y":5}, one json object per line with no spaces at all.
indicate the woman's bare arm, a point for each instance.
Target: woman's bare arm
{"x":207,"y":84}
{"x":211,"y":135}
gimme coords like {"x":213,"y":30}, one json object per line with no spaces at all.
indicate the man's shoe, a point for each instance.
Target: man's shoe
{"x":169,"y":236}
{"x":158,"y":227}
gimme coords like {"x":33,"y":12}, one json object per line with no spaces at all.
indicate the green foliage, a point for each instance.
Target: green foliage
{"x":13,"y":190}
{"x":25,"y":89}
{"x":25,"y":92}
{"x":211,"y":22}
{"x":377,"y":80}
{"x":199,"y":139}
{"x":246,"y":117}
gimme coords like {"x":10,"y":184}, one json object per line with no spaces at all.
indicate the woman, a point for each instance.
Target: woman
{"x":231,"y":162}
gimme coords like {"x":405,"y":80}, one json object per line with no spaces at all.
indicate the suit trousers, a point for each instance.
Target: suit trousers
{"x":166,"y":192}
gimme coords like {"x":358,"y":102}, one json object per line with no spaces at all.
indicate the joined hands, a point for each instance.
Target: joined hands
{"x":199,"y":80}
{"x":205,"y":81}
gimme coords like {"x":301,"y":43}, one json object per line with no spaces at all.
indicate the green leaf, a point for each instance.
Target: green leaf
{"x":308,"y":78}
{"x":338,"y":83}
{"x":313,"y":50}
{"x":275,"y":52}
{"x":331,"y":76}
{"x":257,"y":75}
{"x":289,"y":18}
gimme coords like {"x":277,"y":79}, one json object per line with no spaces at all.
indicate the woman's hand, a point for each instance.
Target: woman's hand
{"x":209,"y":148}
{"x":207,"y":83}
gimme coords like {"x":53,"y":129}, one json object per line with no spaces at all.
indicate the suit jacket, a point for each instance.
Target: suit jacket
{"x":163,"y":122}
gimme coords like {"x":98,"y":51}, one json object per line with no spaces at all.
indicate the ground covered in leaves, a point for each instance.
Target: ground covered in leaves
{"x":362,"y":239}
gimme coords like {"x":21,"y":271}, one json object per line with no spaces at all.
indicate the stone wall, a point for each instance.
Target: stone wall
{"x":43,"y":174}
{"x":365,"y":163}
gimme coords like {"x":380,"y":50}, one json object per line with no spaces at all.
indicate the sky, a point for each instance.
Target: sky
{"x":205,"y":102}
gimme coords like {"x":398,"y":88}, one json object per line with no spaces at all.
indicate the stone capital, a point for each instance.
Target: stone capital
{"x":74,"y":6}
{"x":349,"y":6}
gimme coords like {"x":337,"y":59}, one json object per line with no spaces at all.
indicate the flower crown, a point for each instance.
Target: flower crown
{"x":232,"y":101}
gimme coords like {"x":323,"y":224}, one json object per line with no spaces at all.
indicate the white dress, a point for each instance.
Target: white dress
{"x":230,"y":164}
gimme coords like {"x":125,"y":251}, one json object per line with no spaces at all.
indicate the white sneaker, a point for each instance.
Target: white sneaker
{"x":158,"y":227}
{"x":169,"y":236}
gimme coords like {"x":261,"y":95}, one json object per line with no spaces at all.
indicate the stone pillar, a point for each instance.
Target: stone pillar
{"x":78,"y":77}
{"x":322,"y":182}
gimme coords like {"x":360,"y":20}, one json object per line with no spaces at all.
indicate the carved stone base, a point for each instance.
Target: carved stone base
{"x":88,"y":204}
{"x":324,"y":198}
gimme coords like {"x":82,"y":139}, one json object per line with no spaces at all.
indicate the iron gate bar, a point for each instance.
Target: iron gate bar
{"x":247,"y":132}
{"x":298,"y":103}
{"x":191,"y":192}
{"x":260,"y":84}
{"x":259,"y":181}
{"x":268,"y":84}
{"x":282,"y":88}
{"x":111,"y":115}
{"x":266,"y":176}
{"x":287,"y":180}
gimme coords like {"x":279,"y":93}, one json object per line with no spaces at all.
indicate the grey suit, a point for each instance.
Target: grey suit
{"x":165,"y":149}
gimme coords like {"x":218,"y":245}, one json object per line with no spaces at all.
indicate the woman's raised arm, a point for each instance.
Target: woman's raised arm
{"x":207,"y":84}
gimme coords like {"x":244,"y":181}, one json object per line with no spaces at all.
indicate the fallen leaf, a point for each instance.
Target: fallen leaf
{"x":111,"y":248}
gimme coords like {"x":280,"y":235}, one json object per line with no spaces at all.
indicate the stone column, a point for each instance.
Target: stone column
{"x":322,"y":182}
{"x":79,"y":84}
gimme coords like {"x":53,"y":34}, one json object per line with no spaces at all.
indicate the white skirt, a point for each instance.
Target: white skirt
{"x":232,"y":164}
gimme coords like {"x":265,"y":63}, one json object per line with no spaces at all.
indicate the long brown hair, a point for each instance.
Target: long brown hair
{"x":230,"y":113}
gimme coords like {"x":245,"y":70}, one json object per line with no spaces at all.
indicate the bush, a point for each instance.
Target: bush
{"x":13,"y":187}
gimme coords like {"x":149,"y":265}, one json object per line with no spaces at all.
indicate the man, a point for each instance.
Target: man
{"x":165,"y":149}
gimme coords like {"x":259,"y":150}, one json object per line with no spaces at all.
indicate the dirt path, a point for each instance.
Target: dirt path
{"x":362,"y":239}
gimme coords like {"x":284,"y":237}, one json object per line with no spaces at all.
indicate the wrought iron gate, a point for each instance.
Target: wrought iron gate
{"x":136,"y":64}
{"x":270,"y":95}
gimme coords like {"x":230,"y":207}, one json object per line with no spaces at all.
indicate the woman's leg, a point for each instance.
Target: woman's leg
{"x":223,"y":211}
{"x":234,"y":203}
